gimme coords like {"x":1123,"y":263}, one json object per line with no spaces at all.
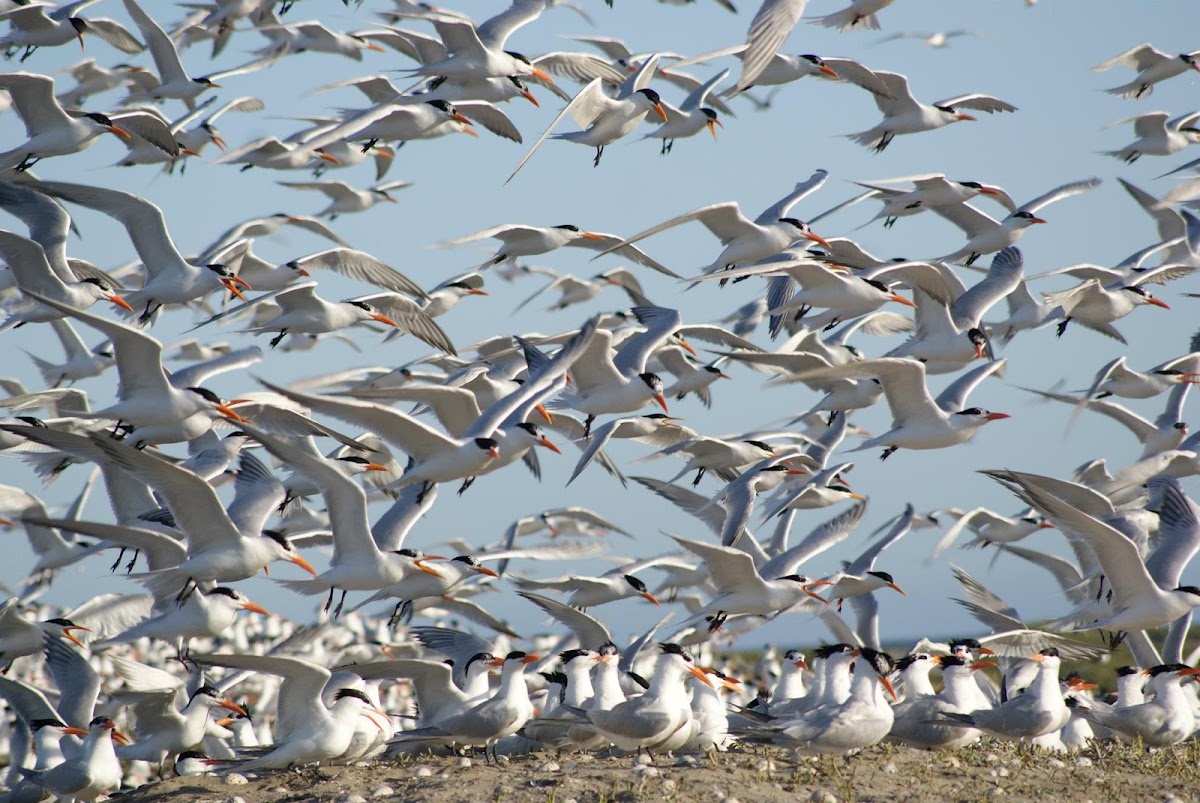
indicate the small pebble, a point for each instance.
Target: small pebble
{"x":352,"y":798}
{"x":464,"y":762}
{"x":953,"y":762}
{"x":821,"y":796}
{"x":643,"y":771}
{"x":1056,"y":763}
{"x":1083,"y":761}
{"x":236,"y":779}
{"x":687,"y":761}
{"x":642,"y":759}
{"x":423,"y":772}
{"x":548,"y":766}
{"x":668,"y":786}
{"x":888,"y":769}
{"x":383,"y":791}
{"x":279,"y":790}
{"x":765,"y":765}
{"x":1172,"y":798}
{"x":237,"y":799}
{"x":991,"y":758}
{"x":997,"y":792}
{"x":993,"y":773}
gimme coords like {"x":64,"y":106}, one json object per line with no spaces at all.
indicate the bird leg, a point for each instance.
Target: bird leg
{"x":888,"y":222}
{"x":338,"y":610}
{"x":971,"y":259}
{"x":117,"y":562}
{"x":133,"y":560}
{"x":804,"y":310}
{"x":328,"y":602}
{"x":699,"y":474}
{"x":832,"y":324}
{"x":28,"y":52}
{"x":275,"y":340}
{"x":186,"y":591}
{"x":467,"y":483}
{"x":587,"y":426}
{"x":883,"y":142}
{"x":148,"y":313}
{"x":426,"y":487}
{"x":599,"y":153}
{"x":1062,"y":327}
{"x":244,"y":168}
{"x":832,"y":417}
{"x":888,"y":452}
{"x":29,"y":161}
{"x":370,"y":143}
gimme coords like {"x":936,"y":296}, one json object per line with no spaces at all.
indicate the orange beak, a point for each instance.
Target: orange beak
{"x":376,"y":467}
{"x":1045,"y":525}
{"x":383,"y":319}
{"x":712,"y":128}
{"x":646,"y":595}
{"x":120,"y":737}
{"x":980,"y":350}
{"x":189,"y":152}
{"x":120,"y":302}
{"x":700,"y":674}
{"x":254,"y":607}
{"x":1157,"y":302}
{"x":544,"y":76}
{"x":232,"y":287}
{"x":230,"y":705}
{"x":983,"y":665}
{"x":328,"y":158}
{"x":961,"y":116}
{"x":541,"y":408}
{"x":887,"y":684}
{"x":529,"y":97}
{"x":420,"y":564}
{"x":302,"y":272}
{"x":662,"y":402}
{"x":461,"y":118}
{"x":686,"y":346}
{"x":816,"y":238}
{"x":588,"y":235}
{"x":120,"y":132}
{"x":302,"y":563}
{"x":830,"y":72}
{"x":899,"y":299}
{"x":996,"y":416}
{"x":484,"y":570}
{"x":470,"y":131}
{"x":229,"y":412}
{"x":373,"y":46}
{"x":549,"y":445}
{"x":988,"y":191}
{"x":531,"y":659}
{"x":808,"y":590}
{"x":897,"y":589}
{"x":74,"y":731}
{"x":218,"y":140}
{"x":802,"y":664}
{"x":67,"y":634}
{"x":986,"y":651}
{"x":661,"y":113}
{"x":1038,"y":220}
{"x":494,"y":453}
{"x":475,"y":291}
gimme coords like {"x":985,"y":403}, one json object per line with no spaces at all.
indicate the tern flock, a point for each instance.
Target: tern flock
{"x":345,"y":462}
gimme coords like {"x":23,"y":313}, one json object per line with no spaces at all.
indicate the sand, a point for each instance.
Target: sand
{"x":984,"y":772}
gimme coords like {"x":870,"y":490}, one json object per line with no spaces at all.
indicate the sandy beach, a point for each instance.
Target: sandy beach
{"x":982,"y":772}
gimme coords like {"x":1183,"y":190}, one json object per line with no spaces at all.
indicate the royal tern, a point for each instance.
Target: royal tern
{"x":603,"y":120}
{"x":918,"y":420}
{"x":1040,"y":710}
{"x":310,"y":729}
{"x":861,"y":720}
{"x":985,"y":235}
{"x":51,"y":131}
{"x":1137,"y":601}
{"x":588,"y":592}
{"x":784,"y":68}
{"x":344,"y":199}
{"x":94,"y":772}
{"x":916,"y":719}
{"x":1158,"y":136}
{"x":859,"y":14}
{"x":904,"y":114}
{"x":203,"y":615}
{"x":1097,"y":303}
{"x":521,"y":241}
{"x":1167,"y":719}
{"x":691,"y":117}
{"x":934,"y":39}
{"x":41,"y":25}
{"x":489,"y":721}
{"x":928,"y":191}
{"x":1152,"y":66}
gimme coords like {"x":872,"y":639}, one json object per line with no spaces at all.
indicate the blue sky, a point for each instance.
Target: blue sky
{"x":1035,"y":57}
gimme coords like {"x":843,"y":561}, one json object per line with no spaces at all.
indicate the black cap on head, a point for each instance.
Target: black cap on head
{"x":355,"y":693}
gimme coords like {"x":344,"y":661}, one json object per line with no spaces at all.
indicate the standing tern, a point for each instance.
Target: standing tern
{"x":95,"y":772}
{"x":918,"y":420}
{"x":1166,"y":720}
{"x":602,"y":119}
{"x":903,"y":114}
{"x":1040,"y":710}
{"x":1152,"y":66}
